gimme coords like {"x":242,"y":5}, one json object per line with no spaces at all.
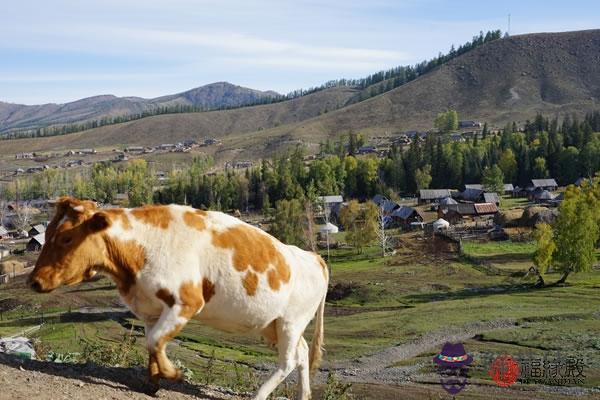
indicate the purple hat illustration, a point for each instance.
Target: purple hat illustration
{"x":453,"y":355}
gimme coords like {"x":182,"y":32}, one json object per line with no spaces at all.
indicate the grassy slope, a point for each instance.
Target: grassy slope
{"x":392,"y":301}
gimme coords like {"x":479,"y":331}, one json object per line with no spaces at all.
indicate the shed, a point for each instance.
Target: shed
{"x":441,"y":225}
{"x":406,"y":215}
{"x":485,"y":209}
{"x":328,"y":228}
{"x":455,"y":213}
{"x":331,"y":200}
{"x":433,"y":195}
{"x":508,"y":188}
{"x":447,"y":201}
{"x":491,"y":198}
{"x":3,"y":232}
{"x":36,"y":243}
{"x":471,"y":194}
{"x":36,"y":230}
{"x":544,"y":197}
{"x":4,"y":252}
{"x":546,"y":184}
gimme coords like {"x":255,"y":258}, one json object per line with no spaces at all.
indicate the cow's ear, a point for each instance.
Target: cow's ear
{"x":99,"y":222}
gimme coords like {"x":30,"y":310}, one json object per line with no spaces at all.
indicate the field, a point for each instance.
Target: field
{"x":386,"y":318}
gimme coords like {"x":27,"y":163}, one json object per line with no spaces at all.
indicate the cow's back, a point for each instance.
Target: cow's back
{"x":252,"y":278}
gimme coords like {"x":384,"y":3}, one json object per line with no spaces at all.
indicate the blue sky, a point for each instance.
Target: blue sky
{"x":63,"y":50}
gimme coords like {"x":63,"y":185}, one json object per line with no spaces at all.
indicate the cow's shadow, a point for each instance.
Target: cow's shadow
{"x":117,"y":378}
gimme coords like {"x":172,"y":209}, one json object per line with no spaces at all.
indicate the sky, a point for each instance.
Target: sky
{"x":56,"y":51}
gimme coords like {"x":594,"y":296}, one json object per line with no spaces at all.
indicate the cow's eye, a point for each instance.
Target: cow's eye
{"x":66,"y":240}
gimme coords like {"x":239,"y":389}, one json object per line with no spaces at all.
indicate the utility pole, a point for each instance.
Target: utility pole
{"x":508,"y":31}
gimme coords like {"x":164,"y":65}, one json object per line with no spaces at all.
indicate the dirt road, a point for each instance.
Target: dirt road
{"x":28,"y":379}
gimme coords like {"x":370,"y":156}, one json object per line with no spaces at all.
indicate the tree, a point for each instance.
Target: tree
{"x":423,"y":177}
{"x":349,"y":217}
{"x":370,"y":225}
{"x":508,"y":165}
{"x":576,"y":231}
{"x":288,"y":224}
{"x":361,"y":223}
{"x":545,"y":248}
{"x":539,"y":168}
{"x":493,"y":179}
{"x":446,"y":121}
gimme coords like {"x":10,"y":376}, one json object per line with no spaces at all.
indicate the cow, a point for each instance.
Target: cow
{"x":171,"y":263}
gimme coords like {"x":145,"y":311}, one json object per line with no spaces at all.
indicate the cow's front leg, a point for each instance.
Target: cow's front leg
{"x":172,"y":320}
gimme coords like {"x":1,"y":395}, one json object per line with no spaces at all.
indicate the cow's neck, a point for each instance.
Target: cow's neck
{"x":124,"y":259}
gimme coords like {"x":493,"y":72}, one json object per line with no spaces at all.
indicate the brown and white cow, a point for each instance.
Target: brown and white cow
{"x":173,"y":263}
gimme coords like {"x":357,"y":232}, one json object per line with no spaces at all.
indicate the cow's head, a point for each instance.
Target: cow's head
{"x":73,"y":249}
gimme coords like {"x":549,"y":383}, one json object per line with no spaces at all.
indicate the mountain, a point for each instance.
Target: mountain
{"x":212,"y":96}
{"x":510,"y":79}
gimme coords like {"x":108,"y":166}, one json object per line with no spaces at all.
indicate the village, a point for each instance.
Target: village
{"x":474,"y":213}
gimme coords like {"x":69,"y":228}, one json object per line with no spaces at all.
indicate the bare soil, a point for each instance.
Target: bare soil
{"x":26,"y":379}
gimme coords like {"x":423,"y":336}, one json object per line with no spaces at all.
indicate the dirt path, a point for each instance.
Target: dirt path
{"x":376,"y":368}
{"x":28,"y":379}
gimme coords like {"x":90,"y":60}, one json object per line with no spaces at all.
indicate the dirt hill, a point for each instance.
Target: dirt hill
{"x":505,"y":80}
{"x":214,"y":95}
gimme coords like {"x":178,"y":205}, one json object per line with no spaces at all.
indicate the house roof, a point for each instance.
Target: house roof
{"x":448,"y":200}
{"x":508,"y":187}
{"x":471,"y":194}
{"x":331,"y":199}
{"x":405,"y":212}
{"x":39,"y":227}
{"x":491,"y":198}
{"x":432,"y":194}
{"x":477,"y":186}
{"x":486,"y":208}
{"x":543,"y":182}
{"x":40,"y":238}
{"x":461,"y":208}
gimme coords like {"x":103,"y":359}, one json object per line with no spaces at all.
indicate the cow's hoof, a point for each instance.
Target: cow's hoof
{"x":152,"y":387}
{"x":178,"y":376}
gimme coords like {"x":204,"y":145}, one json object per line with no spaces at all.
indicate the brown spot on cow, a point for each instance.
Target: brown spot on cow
{"x":208,"y":289}
{"x":191,"y":298}
{"x":194,"y":220}
{"x":166,"y":296}
{"x":118,"y":214}
{"x":270,"y":333}
{"x":158,"y":216}
{"x":125,"y":259}
{"x":250,"y":283}
{"x":256,"y":250}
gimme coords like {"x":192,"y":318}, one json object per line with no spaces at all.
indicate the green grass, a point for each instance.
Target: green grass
{"x":388,"y":302}
{"x":508,"y":202}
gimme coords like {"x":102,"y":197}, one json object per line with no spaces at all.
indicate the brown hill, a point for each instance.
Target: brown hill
{"x":214,"y":95}
{"x":505,"y":80}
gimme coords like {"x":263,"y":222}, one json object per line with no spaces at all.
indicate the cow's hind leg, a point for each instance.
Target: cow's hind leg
{"x":288,"y":336}
{"x":303,"y":370}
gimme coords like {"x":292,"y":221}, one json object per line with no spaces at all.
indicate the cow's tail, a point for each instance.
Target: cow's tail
{"x":316,"y":346}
